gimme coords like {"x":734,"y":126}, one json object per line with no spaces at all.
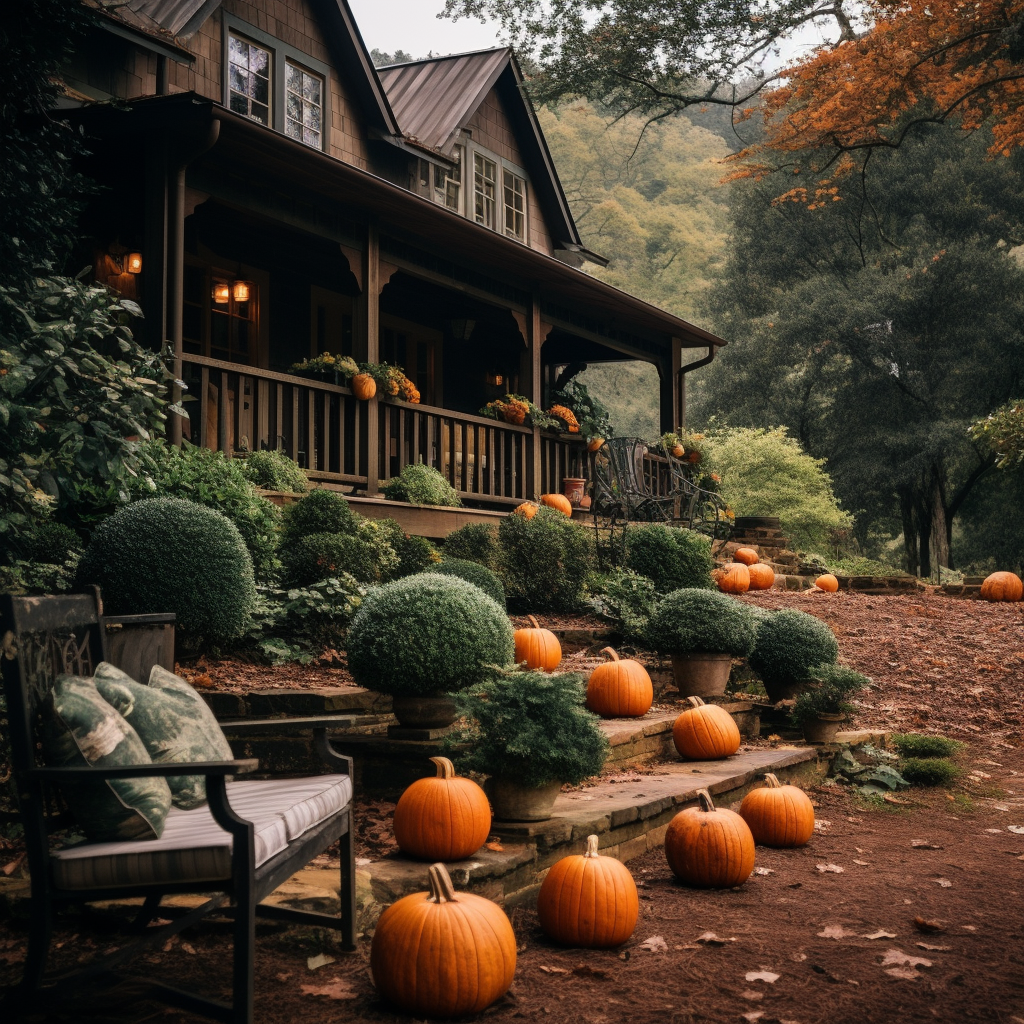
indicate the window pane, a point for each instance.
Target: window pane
{"x":311,"y":138}
{"x":294,"y":107}
{"x":259,"y":112}
{"x":311,"y":116}
{"x":236,"y":79}
{"x":261,"y":90}
{"x":311,"y":88}
{"x":238,"y":52}
{"x":259,"y":60}
{"x":239,"y":104}
{"x":293,"y":128}
{"x":294,"y":78}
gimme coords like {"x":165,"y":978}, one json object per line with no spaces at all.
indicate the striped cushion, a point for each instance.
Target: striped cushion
{"x":194,"y":848}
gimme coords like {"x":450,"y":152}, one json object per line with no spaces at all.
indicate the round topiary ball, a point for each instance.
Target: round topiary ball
{"x":702,"y":621}
{"x":319,"y":556}
{"x":172,"y":555}
{"x":427,"y":634}
{"x":320,"y":511}
{"x":479,"y":575}
{"x":789,"y":644}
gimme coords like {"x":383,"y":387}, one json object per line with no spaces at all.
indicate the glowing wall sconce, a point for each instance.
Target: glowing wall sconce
{"x":221,"y":293}
{"x":240,"y":290}
{"x":133,"y":263}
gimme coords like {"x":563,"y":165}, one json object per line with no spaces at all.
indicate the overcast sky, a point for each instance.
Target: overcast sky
{"x":412,"y":25}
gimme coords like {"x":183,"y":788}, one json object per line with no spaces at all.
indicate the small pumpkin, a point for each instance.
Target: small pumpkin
{"x":594,"y":443}
{"x":732,"y":578}
{"x":708,"y":847}
{"x":438,"y":954}
{"x":588,"y":901}
{"x":1002,"y":586}
{"x":442,"y":818}
{"x":677,"y":451}
{"x":619,"y":688}
{"x":827,"y":582}
{"x":778,"y":815}
{"x":748,"y":556}
{"x":363,"y":386}
{"x":538,"y":647}
{"x":527,"y":510}
{"x":559,"y":502}
{"x":762,"y":576}
{"x":705,"y":732}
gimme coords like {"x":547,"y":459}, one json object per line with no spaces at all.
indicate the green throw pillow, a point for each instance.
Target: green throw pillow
{"x":172,"y":720}
{"x":81,"y":729}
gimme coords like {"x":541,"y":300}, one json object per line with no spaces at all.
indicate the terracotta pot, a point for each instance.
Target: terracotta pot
{"x":700,"y":674}
{"x":434,"y":711}
{"x":823,"y":729}
{"x":573,"y":488}
{"x":515,"y":802}
{"x":363,"y":386}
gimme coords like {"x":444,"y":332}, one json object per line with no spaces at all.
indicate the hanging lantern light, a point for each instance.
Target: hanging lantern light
{"x":133,"y":264}
{"x":240,"y":290}
{"x":221,"y":292}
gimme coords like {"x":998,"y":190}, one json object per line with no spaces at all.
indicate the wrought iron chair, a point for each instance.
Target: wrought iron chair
{"x":697,"y":508}
{"x":621,"y":490}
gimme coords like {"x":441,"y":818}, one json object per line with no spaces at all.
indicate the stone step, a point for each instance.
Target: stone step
{"x":295,"y":702}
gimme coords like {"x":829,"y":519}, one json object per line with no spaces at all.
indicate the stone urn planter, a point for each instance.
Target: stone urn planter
{"x":823,"y":728}
{"x":574,"y":487}
{"x":701,"y":674}
{"x":432,"y":711}
{"x":513,"y":801}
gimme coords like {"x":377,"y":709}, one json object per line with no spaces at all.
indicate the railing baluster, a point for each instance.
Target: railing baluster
{"x":222,"y":414}
{"x":491,"y":431}
{"x":201,"y":436}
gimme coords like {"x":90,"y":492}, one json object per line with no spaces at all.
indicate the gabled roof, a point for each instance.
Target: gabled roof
{"x":433,"y":99}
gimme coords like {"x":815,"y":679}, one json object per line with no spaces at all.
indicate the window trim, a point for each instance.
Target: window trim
{"x":471,"y":149}
{"x":280,"y":54}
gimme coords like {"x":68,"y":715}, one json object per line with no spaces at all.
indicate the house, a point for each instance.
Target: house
{"x":269,"y":196}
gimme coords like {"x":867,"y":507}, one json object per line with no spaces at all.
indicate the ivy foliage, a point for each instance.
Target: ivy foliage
{"x":702,"y":621}
{"x":790,"y":644}
{"x":422,"y":485}
{"x":669,"y":556}
{"x":479,"y":575}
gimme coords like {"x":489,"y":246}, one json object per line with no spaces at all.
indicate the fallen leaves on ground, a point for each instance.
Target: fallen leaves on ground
{"x":881,"y":934}
{"x":711,"y":939}
{"x":835,"y":868}
{"x":767,"y":976}
{"x":655,"y":944}
{"x":903,"y":965}
{"x":336,"y":989}
{"x":924,"y":925}
{"x":314,"y":963}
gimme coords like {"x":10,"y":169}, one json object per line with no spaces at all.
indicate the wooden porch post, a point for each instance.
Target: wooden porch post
{"x":154,"y":248}
{"x":369,"y":309}
{"x":534,"y":340}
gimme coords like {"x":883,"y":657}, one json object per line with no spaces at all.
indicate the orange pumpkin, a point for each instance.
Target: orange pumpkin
{"x":748,"y":556}
{"x":363,"y":386}
{"x":588,"y":901}
{"x":677,"y":451}
{"x":705,"y":732}
{"x":708,"y":847}
{"x":762,"y":576}
{"x":619,"y":689}
{"x":778,"y":815}
{"x":528,"y":510}
{"x":442,"y":818}
{"x":1002,"y":586}
{"x":538,"y":647}
{"x":732,"y":578}
{"x":438,"y":954}
{"x":827,"y":582}
{"x":559,"y":502}
{"x":594,"y":443}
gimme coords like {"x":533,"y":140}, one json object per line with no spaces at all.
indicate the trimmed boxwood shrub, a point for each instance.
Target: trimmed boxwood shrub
{"x":415,"y":554}
{"x":53,"y":543}
{"x":276,"y":472}
{"x":670,"y":556}
{"x":475,"y":542}
{"x":422,"y":485}
{"x":427,"y":634}
{"x":929,"y":771}
{"x":544,"y":561}
{"x":916,"y":745}
{"x":320,"y":511}
{"x":789,"y":644}
{"x":479,"y":575}
{"x":172,"y":555}
{"x":322,"y":555}
{"x":704,"y":621}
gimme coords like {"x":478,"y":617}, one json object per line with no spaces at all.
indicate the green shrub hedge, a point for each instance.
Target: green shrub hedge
{"x":172,"y":555}
{"x":929,"y":771}
{"x":320,"y":511}
{"x":916,"y":745}
{"x":475,"y":542}
{"x":427,"y":634}
{"x":789,"y":644}
{"x":626,"y":599}
{"x":276,"y":472}
{"x":415,"y":554}
{"x":704,"y":621}
{"x":670,"y":556}
{"x":422,"y":485}
{"x":479,"y":575}
{"x":319,"y":556}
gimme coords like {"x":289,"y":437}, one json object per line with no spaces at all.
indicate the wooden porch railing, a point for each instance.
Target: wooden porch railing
{"x":657,"y":475}
{"x":561,"y":455}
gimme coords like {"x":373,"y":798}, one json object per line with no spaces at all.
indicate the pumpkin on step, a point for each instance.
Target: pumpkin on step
{"x":442,"y":818}
{"x":559,"y":502}
{"x":732,"y":578}
{"x":588,"y":901}
{"x":619,"y":689}
{"x":538,"y":647}
{"x":762,"y":576}
{"x":748,"y":556}
{"x":708,"y":847}
{"x":442,"y":954}
{"x":827,"y":582}
{"x":705,"y":732}
{"x":1002,"y":586}
{"x":778,"y":815}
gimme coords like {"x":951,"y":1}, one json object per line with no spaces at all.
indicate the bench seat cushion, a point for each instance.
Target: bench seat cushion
{"x":194,"y":848}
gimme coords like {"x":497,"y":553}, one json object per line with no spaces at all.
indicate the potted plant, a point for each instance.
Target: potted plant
{"x":516,"y":409}
{"x":423,"y":638}
{"x":703,"y":631}
{"x":821,"y":710}
{"x":531,"y":732}
{"x":789,"y":645}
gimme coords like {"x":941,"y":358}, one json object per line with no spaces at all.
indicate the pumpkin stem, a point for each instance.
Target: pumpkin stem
{"x":707,"y":805}
{"x":441,"y":888}
{"x":611,"y":653}
{"x":445,"y":769}
{"x":772,"y":782}
{"x":695,"y":702}
{"x":533,"y":621}
{"x":591,"y":847}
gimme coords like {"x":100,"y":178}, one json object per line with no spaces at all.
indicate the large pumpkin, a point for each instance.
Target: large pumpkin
{"x":732,"y":578}
{"x":778,"y":815}
{"x":748,"y":556}
{"x":1002,"y":586}
{"x":438,"y":954}
{"x":619,"y":689}
{"x":705,"y":732}
{"x":708,"y":847}
{"x":527,"y":510}
{"x":558,"y":502}
{"x":538,"y":647}
{"x":762,"y":576}
{"x":442,"y":818}
{"x":827,"y":582}
{"x":363,"y":386}
{"x":588,"y":900}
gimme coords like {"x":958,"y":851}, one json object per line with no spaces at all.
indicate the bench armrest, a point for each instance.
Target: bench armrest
{"x":80,"y":773}
{"x":287,"y":724}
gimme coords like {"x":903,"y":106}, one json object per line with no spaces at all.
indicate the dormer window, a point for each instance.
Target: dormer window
{"x":304,"y":105}
{"x":514,"y":189}
{"x":485,"y":188}
{"x":249,"y":79}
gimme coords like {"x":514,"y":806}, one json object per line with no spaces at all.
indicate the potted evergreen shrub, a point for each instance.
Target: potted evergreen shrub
{"x":531,"y":732}
{"x":789,"y":645}
{"x":821,"y":710}
{"x":423,"y":638}
{"x":703,"y":631}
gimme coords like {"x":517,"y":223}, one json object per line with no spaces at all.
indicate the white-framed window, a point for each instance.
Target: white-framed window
{"x":485,"y":189}
{"x":448,"y":183}
{"x":514,"y":190}
{"x":304,"y":105}
{"x":249,"y":70}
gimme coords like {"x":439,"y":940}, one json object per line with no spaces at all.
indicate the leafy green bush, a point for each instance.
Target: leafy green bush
{"x":544,"y":561}
{"x":475,"y":542}
{"x":172,"y":555}
{"x":829,"y":697}
{"x":479,"y":575}
{"x":531,"y":727}
{"x":916,"y":745}
{"x":929,"y":771}
{"x":276,"y":472}
{"x":422,"y":485}
{"x":427,"y":634}
{"x":789,"y":644}
{"x":320,"y":511}
{"x":691,"y":620}
{"x":54,"y":543}
{"x":627,"y":599}
{"x":319,"y":556}
{"x":415,"y":554}
{"x":669,"y":556}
